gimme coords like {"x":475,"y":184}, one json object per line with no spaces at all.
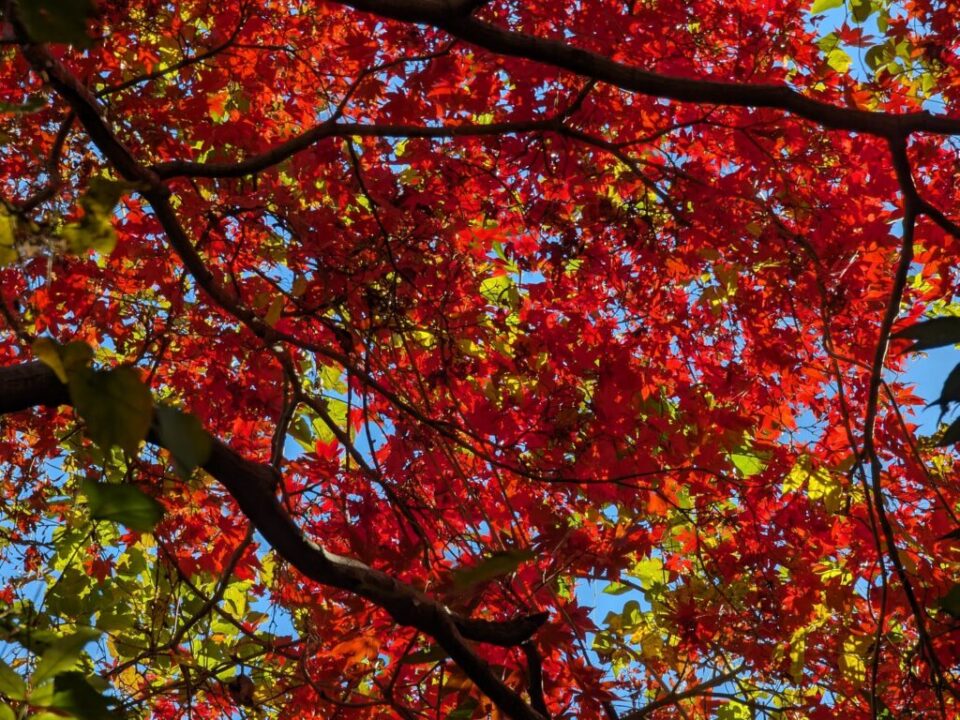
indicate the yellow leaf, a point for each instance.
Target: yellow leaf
{"x":273,"y":312}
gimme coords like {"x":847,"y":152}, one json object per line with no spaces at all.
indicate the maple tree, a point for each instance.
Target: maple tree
{"x":354,"y":352}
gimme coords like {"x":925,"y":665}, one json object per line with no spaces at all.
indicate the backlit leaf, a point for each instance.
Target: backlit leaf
{"x":124,"y":503}
{"x":115,"y":405}
{"x":183,"y":435}
{"x":495,"y":566}
{"x":11,"y":684}
{"x":62,"y":655}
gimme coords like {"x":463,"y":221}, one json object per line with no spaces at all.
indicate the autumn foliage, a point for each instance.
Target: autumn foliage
{"x":459,"y":359}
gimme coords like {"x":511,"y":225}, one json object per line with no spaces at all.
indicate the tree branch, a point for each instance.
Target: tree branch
{"x":252,"y":487}
{"x":437,"y":13}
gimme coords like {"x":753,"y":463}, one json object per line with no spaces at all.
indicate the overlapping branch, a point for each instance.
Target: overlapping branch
{"x":457,"y":19}
{"x":252,"y":486}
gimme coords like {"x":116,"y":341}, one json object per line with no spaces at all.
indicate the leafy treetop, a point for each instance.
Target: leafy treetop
{"x":462,"y":359}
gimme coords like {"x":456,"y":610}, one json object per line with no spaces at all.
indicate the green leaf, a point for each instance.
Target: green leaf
{"x":495,"y":566}
{"x":125,"y":504}
{"x":95,"y":229}
{"x":861,"y":10}
{"x":57,"y":21}
{"x":950,"y":603}
{"x":931,"y":333}
{"x":616,"y":588}
{"x":500,"y":290}
{"x":62,"y":359}
{"x":747,"y":463}
{"x":274,"y":311}
{"x":62,"y":655}
{"x":839,"y":60}
{"x":649,"y":571}
{"x":76,"y":355}
{"x":41,"y":695}
{"x":115,"y":405}
{"x":103,"y":195}
{"x":46,"y":715}
{"x":75,"y":694}
{"x":11,"y":684}
{"x":823,"y":5}
{"x":734,"y":711}
{"x":874,"y":57}
{"x":183,"y":435}
{"x":6,"y":712}
{"x":47,"y":351}
{"x":8,"y":227}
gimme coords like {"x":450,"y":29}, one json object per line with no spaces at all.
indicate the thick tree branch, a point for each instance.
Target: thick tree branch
{"x":912,"y":206}
{"x":440,"y":14}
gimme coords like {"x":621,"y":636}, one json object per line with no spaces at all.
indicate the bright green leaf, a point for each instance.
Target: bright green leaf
{"x":125,"y":504}
{"x":747,"y":463}
{"x":6,"y":712}
{"x":501,"y":290}
{"x":649,"y":571}
{"x":734,"y":711}
{"x":821,"y":6}
{"x":839,"y":60}
{"x":616,"y":588}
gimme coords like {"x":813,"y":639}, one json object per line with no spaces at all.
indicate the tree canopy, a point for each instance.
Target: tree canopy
{"x":466,"y":359}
